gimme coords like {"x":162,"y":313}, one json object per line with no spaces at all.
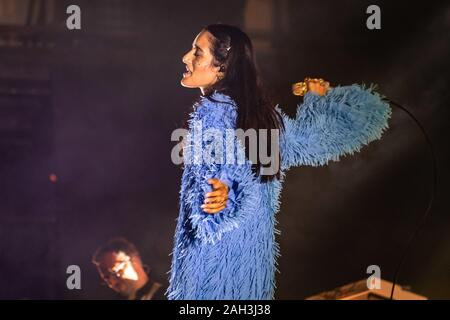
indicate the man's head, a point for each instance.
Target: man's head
{"x":119,"y":265}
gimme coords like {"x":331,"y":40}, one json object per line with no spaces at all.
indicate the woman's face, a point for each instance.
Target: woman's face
{"x":200,"y":70}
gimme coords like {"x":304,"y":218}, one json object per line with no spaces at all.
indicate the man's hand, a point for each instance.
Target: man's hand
{"x":216,"y":200}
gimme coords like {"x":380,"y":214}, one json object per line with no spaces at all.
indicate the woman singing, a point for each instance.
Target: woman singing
{"x":225,"y":245}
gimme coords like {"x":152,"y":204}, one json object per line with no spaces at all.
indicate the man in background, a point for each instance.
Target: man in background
{"x":120,"y":266}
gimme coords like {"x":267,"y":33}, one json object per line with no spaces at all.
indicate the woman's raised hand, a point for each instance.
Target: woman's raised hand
{"x":216,"y":200}
{"x":318,"y":86}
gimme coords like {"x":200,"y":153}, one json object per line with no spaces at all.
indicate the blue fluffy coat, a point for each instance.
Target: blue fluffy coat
{"x":233,"y":254}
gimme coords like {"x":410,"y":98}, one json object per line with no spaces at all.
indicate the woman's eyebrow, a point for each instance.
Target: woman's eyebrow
{"x":197,"y":47}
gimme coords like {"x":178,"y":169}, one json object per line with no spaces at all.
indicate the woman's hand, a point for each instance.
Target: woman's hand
{"x":318,"y":86}
{"x":216,"y":200}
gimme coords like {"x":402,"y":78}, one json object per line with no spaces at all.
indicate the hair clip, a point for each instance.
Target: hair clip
{"x":228,"y":49}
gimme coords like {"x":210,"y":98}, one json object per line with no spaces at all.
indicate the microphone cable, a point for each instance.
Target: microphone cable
{"x":433,"y":193}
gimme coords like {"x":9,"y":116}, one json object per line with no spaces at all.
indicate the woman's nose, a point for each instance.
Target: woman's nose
{"x":186,"y":58}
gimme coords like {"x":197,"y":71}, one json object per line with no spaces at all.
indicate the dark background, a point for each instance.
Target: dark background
{"x":96,"y":108}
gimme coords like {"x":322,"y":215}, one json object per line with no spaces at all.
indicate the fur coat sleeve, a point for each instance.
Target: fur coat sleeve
{"x":328,"y":127}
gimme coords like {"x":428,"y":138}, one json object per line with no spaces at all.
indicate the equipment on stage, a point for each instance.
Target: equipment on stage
{"x":360,"y":291}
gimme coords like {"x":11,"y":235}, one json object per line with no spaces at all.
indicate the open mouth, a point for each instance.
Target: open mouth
{"x":187,"y":73}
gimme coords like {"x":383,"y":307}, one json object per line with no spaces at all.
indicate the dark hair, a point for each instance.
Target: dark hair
{"x":233,"y":52}
{"x":115,"y":245}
